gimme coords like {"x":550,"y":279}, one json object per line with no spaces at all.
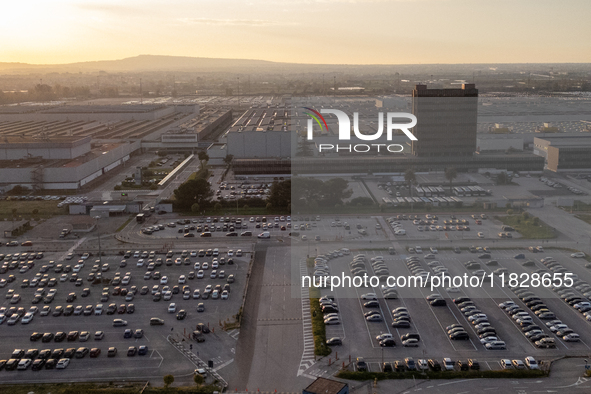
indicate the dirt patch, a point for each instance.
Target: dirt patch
{"x":51,"y":228}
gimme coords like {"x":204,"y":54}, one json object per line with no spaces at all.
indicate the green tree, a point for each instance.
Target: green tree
{"x":510,"y":212}
{"x":168,"y":380}
{"x":18,"y":190}
{"x":198,"y":379}
{"x":217,"y":206}
{"x":228,"y":159}
{"x":410,"y":177}
{"x":304,"y":148}
{"x":450,"y":174}
{"x":502,"y":178}
{"x":203,"y":158}
{"x":280,"y":195}
{"x":193,"y":191}
{"x":361,"y":201}
{"x":335,"y":191}
{"x":195,"y":208}
{"x":305,"y":191}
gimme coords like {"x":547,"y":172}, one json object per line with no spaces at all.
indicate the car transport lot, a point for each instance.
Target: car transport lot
{"x":433,"y":323}
{"x":81,"y":298}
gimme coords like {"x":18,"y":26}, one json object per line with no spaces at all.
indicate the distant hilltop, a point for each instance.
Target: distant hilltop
{"x":141,"y":63}
{"x":154,"y":63}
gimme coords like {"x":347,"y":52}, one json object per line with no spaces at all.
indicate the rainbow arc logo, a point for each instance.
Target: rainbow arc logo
{"x":315,"y":115}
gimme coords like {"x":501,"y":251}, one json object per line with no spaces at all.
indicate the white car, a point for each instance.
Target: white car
{"x":64,"y":277}
{"x":98,"y":309}
{"x":264,"y":235}
{"x":225,"y":295}
{"x":196,"y":294}
{"x":140,"y":263}
{"x":63,"y":363}
{"x":239,"y":253}
{"x":24,"y":364}
{"x":205,"y":266}
{"x":480,"y":235}
{"x":200,"y":274}
{"x":448,"y":365}
{"x":332,"y":320}
{"x":453,"y":289}
{"x":213,"y":274}
{"x":27,"y":318}
{"x":172,"y":307}
{"x":422,"y":364}
{"x":230,"y":253}
{"x":531,"y":363}
{"x":215,"y":264}
{"x":164,"y":280}
{"x":182,"y":280}
{"x":369,"y":297}
{"x":376,"y":317}
{"x":486,"y":340}
{"x":578,"y":255}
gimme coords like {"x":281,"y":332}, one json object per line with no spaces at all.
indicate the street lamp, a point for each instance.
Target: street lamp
{"x":99,"y":237}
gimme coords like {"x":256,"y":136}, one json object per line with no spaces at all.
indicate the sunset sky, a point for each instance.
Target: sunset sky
{"x":301,"y":31}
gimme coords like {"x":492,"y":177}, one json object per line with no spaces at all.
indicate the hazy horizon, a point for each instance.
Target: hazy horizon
{"x":380,"y":32}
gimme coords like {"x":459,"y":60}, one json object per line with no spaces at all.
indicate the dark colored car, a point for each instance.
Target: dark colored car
{"x":11,"y":364}
{"x":59,"y":336}
{"x":181,"y":315}
{"x":73,"y":335}
{"x":36,"y":336}
{"x":38,"y":364}
{"x":142,"y":350}
{"x":58,"y":310}
{"x":434,"y":365}
{"x":57,"y":354}
{"x":44,"y":354}
{"x":94,"y":352}
{"x":127,"y":333}
{"x":131,"y":351}
{"x":51,"y":363}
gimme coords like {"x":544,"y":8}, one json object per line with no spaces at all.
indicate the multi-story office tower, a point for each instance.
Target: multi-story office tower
{"x":446,"y":121}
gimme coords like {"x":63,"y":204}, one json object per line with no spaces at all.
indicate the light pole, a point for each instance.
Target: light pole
{"x":99,"y":237}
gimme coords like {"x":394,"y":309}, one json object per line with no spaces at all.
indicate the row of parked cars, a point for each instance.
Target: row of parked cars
{"x":59,"y":358}
{"x":487,"y":334}
{"x":524,"y":321}
{"x":447,"y":364}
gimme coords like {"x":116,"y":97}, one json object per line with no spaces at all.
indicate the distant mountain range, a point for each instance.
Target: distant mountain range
{"x":145,"y":63}
{"x":153,"y":63}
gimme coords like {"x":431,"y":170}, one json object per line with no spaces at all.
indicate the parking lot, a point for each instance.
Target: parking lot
{"x":432,"y":323}
{"x":134,"y":275}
